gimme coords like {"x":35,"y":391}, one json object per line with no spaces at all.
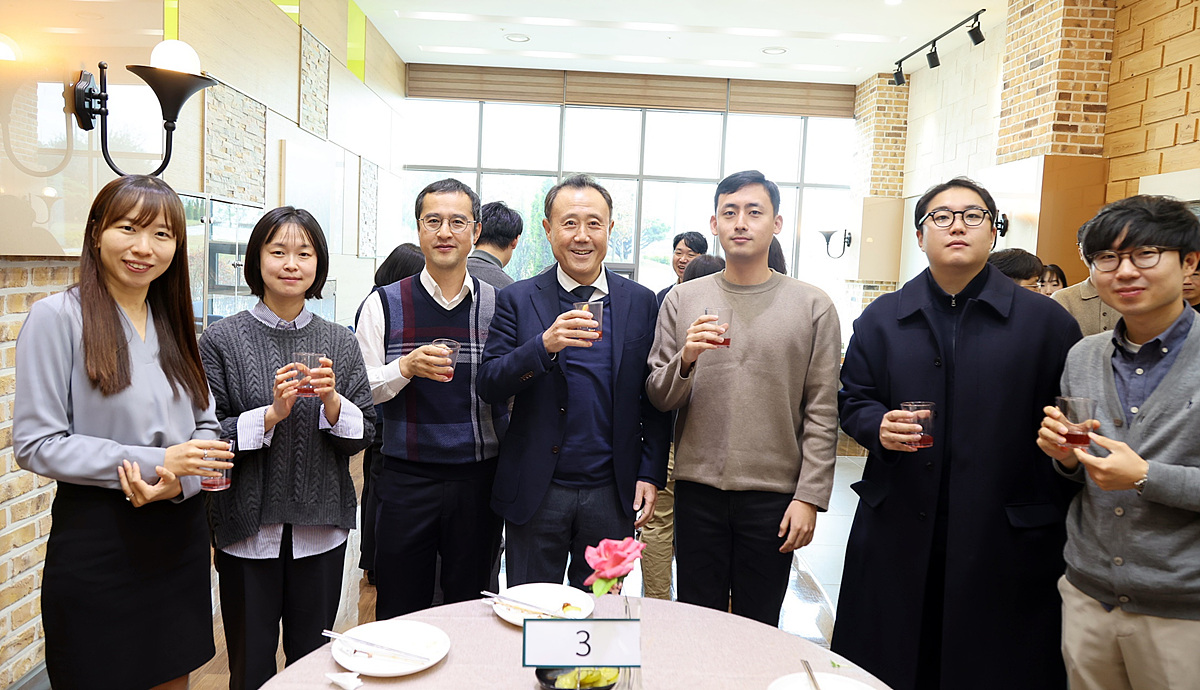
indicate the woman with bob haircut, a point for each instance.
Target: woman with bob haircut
{"x":111,"y":397}
{"x":280,"y":530}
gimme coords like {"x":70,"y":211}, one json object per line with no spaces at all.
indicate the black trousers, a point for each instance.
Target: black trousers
{"x":256,"y":594}
{"x":372,"y":466}
{"x":422,"y":517}
{"x":727,"y":550}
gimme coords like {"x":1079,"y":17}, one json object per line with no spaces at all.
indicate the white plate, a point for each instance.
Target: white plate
{"x":410,"y":636}
{"x":545,"y":595}
{"x":828,"y":681}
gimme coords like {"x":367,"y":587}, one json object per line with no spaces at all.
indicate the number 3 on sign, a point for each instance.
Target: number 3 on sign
{"x":600,"y":642}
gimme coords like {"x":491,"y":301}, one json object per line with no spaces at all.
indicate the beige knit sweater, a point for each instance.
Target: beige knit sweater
{"x":762,"y":414}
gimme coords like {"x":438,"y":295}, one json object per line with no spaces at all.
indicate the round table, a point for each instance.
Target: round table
{"x":683,"y":646}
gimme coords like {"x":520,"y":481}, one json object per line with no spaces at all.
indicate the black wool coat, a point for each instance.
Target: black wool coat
{"x":1006,"y":506}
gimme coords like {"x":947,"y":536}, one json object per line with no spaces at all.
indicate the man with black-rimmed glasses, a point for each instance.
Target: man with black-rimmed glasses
{"x":956,"y":546}
{"x":440,"y":441}
{"x":1131,"y":593}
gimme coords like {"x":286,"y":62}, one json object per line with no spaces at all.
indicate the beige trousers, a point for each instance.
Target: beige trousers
{"x":659,"y":537}
{"x":1118,"y":650}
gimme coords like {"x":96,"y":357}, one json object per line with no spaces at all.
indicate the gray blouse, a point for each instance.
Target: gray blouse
{"x":65,"y":429}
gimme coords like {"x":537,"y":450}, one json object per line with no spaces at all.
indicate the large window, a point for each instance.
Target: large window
{"x":660,"y":166}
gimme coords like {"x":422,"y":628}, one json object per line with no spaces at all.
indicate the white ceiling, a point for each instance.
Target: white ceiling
{"x":828,"y":41}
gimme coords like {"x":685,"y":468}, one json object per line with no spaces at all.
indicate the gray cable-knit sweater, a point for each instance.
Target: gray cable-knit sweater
{"x":303,"y":477}
{"x":1141,"y":553}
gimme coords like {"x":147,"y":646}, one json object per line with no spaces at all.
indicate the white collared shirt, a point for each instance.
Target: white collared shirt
{"x":568,"y":283}
{"x":434,"y":289}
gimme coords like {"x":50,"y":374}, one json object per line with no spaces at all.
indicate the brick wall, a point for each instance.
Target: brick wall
{"x":1155,"y":93}
{"x":314,"y":85}
{"x":1055,"y":90}
{"x":24,"y":497}
{"x":881,"y":129}
{"x":235,"y":145}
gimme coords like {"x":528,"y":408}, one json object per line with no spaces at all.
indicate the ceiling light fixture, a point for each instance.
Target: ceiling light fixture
{"x":974,"y":32}
{"x":774,"y":50}
{"x":173,"y":74}
{"x":898,"y":75}
{"x":517,"y":38}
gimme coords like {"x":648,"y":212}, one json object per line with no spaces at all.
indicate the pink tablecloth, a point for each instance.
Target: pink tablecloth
{"x":683,"y":646}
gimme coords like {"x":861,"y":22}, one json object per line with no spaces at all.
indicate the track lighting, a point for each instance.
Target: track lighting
{"x":932,"y":57}
{"x":974,"y":32}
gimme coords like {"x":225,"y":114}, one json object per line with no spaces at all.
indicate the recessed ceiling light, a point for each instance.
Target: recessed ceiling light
{"x":517,"y":38}
{"x":774,"y":50}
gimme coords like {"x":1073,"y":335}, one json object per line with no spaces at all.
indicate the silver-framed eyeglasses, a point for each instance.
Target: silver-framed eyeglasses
{"x":1142,"y":257}
{"x":456,"y":225}
{"x":944,"y":217}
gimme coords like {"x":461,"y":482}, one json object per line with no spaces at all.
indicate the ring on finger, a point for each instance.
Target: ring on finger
{"x":205,"y":453}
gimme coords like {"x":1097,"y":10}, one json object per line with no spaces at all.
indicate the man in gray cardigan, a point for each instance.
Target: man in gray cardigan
{"x":1131,"y":593}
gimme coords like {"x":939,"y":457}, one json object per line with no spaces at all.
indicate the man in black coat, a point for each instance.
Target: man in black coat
{"x":955,"y":550}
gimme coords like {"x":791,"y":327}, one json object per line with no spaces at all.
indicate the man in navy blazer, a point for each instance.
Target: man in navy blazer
{"x":585,"y":451}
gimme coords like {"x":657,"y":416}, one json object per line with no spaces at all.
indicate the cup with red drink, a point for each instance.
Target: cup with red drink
{"x":305,"y":363}
{"x":922,"y":411}
{"x":596,"y":309}
{"x":1077,"y":415}
{"x":724,"y":319}
{"x":452,"y":347}
{"x":226,"y":479}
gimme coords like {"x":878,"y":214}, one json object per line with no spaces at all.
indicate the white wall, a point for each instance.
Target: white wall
{"x":953,"y":124}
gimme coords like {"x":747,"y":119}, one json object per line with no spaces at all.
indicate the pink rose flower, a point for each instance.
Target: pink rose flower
{"x":612,"y":559}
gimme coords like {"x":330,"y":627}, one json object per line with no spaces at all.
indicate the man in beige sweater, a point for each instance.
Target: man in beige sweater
{"x":756,"y":435}
{"x":1084,"y":303}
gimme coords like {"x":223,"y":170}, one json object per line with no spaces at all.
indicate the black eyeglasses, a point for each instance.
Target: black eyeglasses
{"x":1142,"y":257}
{"x":944,"y":218}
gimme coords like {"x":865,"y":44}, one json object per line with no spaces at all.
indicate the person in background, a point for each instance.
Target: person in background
{"x":955,"y":547}
{"x":1191,"y":289}
{"x":1023,"y":268}
{"x":776,"y":260}
{"x":754,"y":453}
{"x":280,"y":529}
{"x":703,"y":266}
{"x":688,"y":246}
{"x":111,"y":402}
{"x":440,"y":441}
{"x":659,"y":533}
{"x":1131,"y":592}
{"x":1083,"y":301}
{"x":499,"y":231}
{"x":586,"y":450}
{"x":404,"y":261}
{"x":1053,"y":280}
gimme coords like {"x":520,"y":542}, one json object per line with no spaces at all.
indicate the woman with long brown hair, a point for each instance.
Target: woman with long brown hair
{"x":112,"y":403}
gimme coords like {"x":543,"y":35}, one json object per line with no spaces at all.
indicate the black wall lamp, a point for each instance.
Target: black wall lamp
{"x":828,"y":235}
{"x":174,"y":76}
{"x":974,"y":32}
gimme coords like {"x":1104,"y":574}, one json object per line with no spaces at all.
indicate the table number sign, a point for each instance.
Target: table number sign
{"x":585,"y":642}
